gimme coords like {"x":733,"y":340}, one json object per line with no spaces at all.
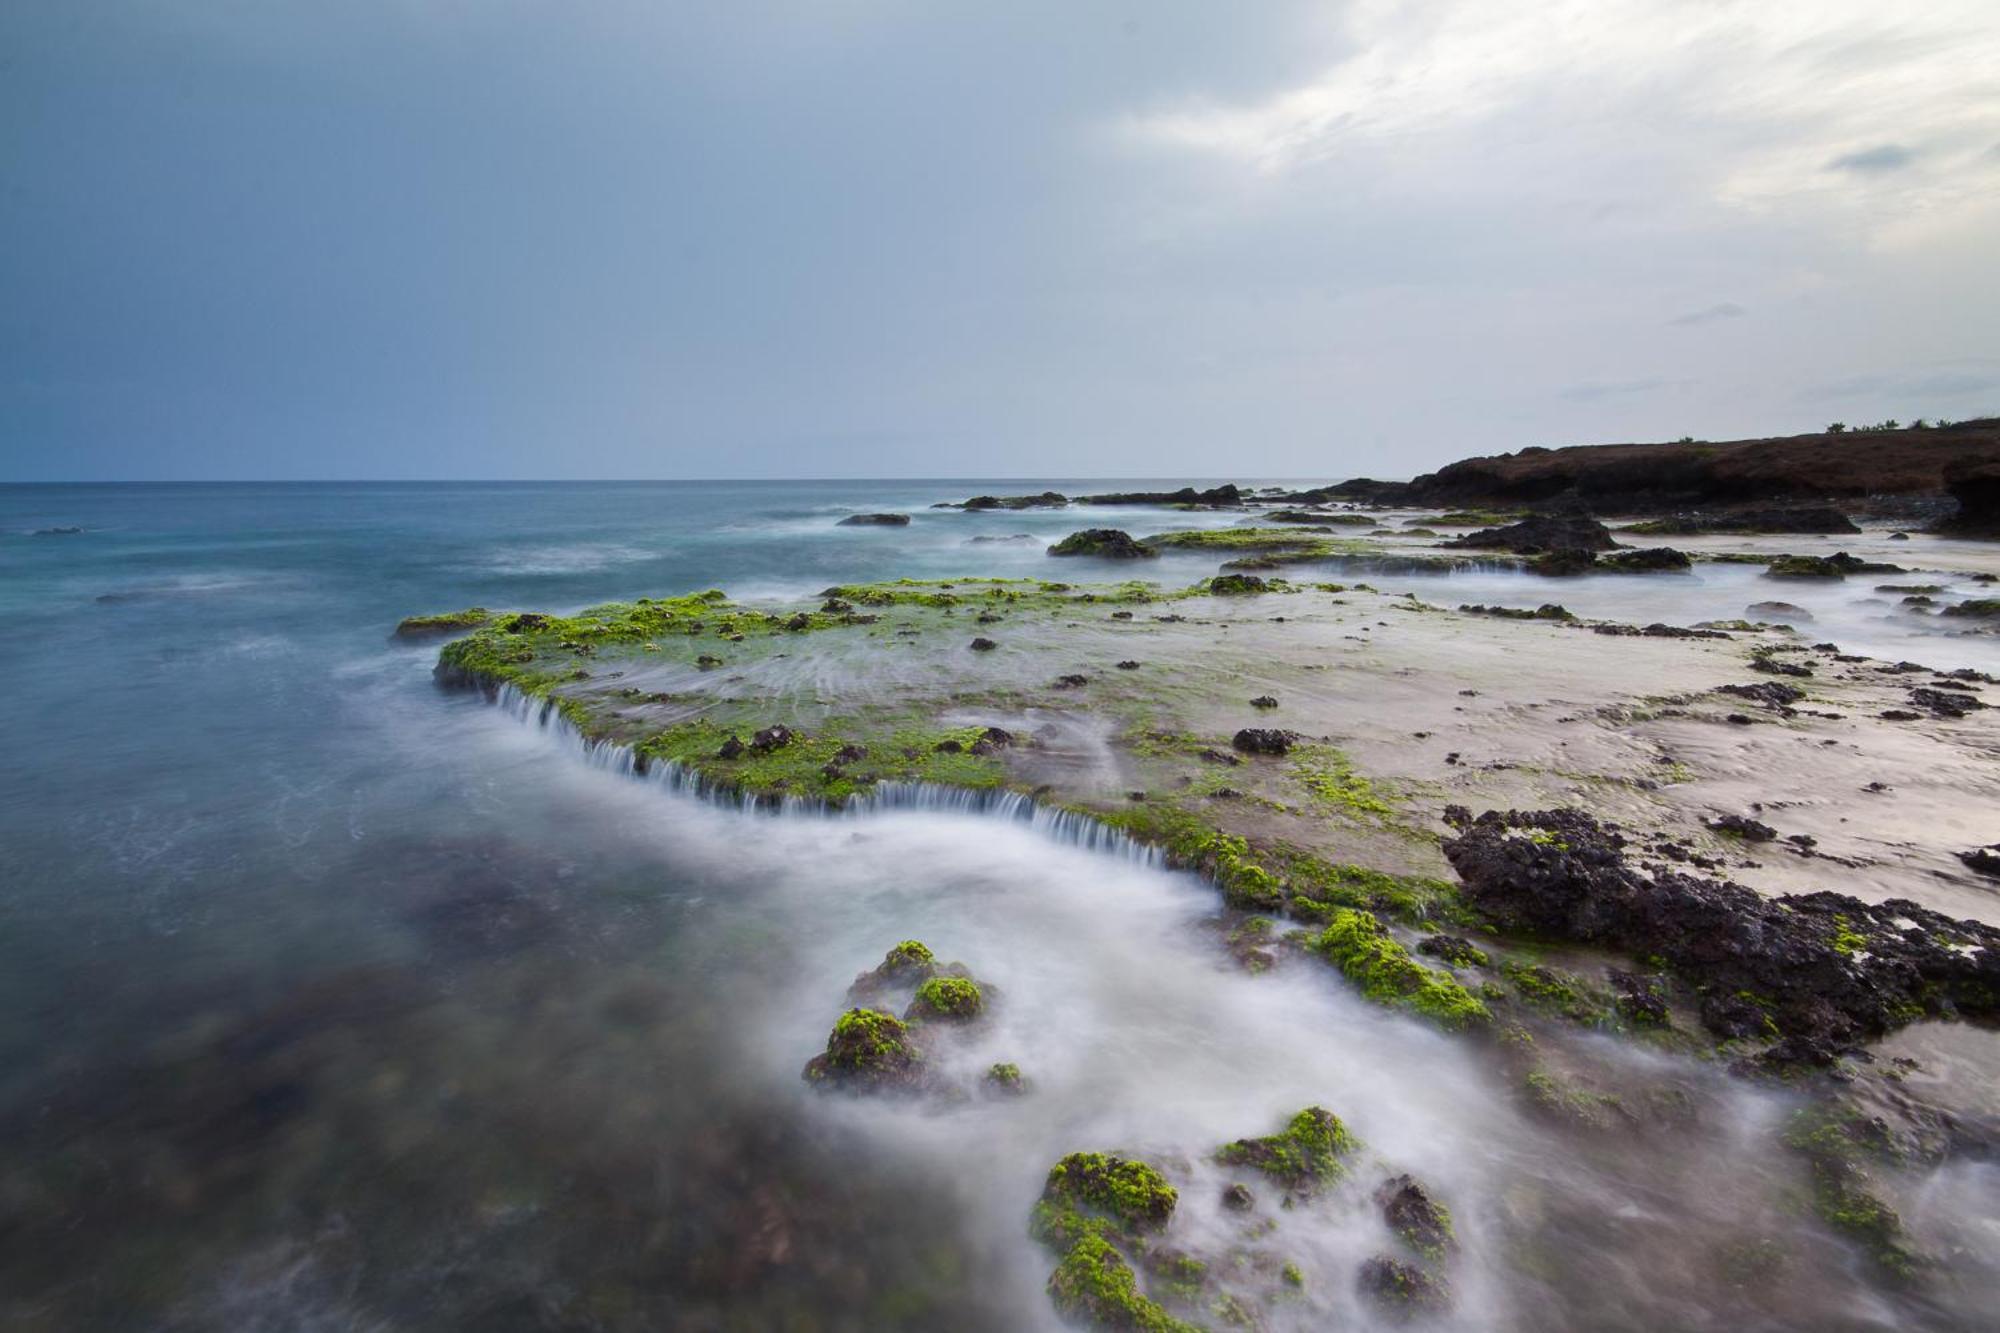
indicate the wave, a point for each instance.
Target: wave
{"x":1067,"y":827}
{"x":573,"y":559}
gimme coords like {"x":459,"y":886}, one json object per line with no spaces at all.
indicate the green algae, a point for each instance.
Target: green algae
{"x":1328,"y":776}
{"x":955,"y":999}
{"x":1095,"y":1284}
{"x":472,"y":617}
{"x":867,"y":1047}
{"x":824,"y":765}
{"x":1090,"y":1192}
{"x":1302,"y":1156}
{"x":1832,"y":1142}
{"x":1360,"y":945}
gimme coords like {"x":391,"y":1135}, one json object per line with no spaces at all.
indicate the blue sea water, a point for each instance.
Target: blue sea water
{"x":332,"y":1000}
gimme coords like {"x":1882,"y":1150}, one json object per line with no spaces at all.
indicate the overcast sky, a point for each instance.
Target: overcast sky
{"x":607,"y":238}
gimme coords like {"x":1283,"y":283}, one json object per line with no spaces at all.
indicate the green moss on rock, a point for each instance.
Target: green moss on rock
{"x":950,"y":999}
{"x":1360,"y":945}
{"x":1302,"y":1156}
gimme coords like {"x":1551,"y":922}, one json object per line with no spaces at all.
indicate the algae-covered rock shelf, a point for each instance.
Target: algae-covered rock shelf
{"x":1318,"y":750}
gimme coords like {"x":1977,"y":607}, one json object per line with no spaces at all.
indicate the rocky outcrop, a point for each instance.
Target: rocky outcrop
{"x":1820,"y":971}
{"x":1975,"y":484}
{"x":1540,"y":533}
{"x":875,"y":521}
{"x":1226,"y":496}
{"x":1104,"y":543}
{"x":1823,"y":519}
{"x":1669,"y":478}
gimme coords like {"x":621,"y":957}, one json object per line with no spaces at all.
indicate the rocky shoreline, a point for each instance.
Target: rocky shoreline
{"x":1318,"y":750}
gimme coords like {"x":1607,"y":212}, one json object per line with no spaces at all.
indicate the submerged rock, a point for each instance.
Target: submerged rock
{"x":1743,"y":827}
{"x":1104,"y":543}
{"x":875,"y":521}
{"x":1984,"y":860}
{"x":1422,"y":1222}
{"x":868,"y":1050}
{"x":1302,"y":1156}
{"x":1401,"y":1288}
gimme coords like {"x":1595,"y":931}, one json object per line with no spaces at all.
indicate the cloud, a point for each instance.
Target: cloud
{"x":1721,"y":310}
{"x":1881,"y":158}
{"x":1592,"y":392}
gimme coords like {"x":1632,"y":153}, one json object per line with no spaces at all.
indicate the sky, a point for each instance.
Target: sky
{"x":869,"y":238}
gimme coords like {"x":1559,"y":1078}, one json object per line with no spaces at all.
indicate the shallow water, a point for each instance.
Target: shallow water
{"x":334,"y":1001}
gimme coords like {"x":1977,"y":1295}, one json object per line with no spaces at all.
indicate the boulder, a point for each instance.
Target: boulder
{"x":1539,"y":533}
{"x":1104,"y":543}
{"x":875,"y":521}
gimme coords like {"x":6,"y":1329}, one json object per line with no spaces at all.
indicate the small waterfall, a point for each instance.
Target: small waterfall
{"x":1068,"y":827}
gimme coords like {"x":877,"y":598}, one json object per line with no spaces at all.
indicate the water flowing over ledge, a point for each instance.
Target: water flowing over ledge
{"x":1067,"y":827}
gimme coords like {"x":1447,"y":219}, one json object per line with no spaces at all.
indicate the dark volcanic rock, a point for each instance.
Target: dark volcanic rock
{"x":1975,"y":484}
{"x":1770,"y":693}
{"x":1046,"y":500}
{"x":1945,"y":703}
{"x":1651,"y":560}
{"x":1666,"y":478}
{"x":1412,"y":1214}
{"x":1262,"y":740}
{"x":1540,"y":533}
{"x":1743,"y":827}
{"x":1561,"y":564}
{"x":1105,"y":543}
{"x":1821,"y":519}
{"x":1226,"y":494}
{"x":1825,"y":968}
{"x":1401,"y":1289}
{"x":875,"y":521}
{"x":1985,"y":860}
{"x":982,"y":645}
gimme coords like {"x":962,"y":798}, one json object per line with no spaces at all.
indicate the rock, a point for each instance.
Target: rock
{"x":875,"y":521}
{"x":1975,"y":485}
{"x":1741,"y":826}
{"x":1784,"y":611}
{"x":1651,"y":560}
{"x":772,"y":738}
{"x":1128,"y":665}
{"x":1412,"y":1214}
{"x":452,"y":622}
{"x":1638,"y":998}
{"x":1259,"y":740}
{"x":1231,"y":585}
{"x":1546,"y":611}
{"x":1836,"y":566}
{"x":1773,"y":666}
{"x":1899,"y":536}
{"x":1227,"y":496}
{"x":868,"y":1050}
{"x":1263,"y":701}
{"x":946,"y":999}
{"x":1984,"y":860}
{"x":908,"y":964}
{"x":731,"y":748}
{"x":1046,"y":500}
{"x":1400,"y":1288}
{"x":1563,"y":564}
{"x":1237,"y":1198}
{"x":1818,"y":519}
{"x":64,"y":531}
{"x":982,"y":645}
{"x":1086,"y":1190}
{"x":1005,"y":1080}
{"x":1455,"y":950}
{"x":1824,"y":967}
{"x":1539,"y":534}
{"x":1983,"y":608}
{"x":1072,"y":682}
{"x":1945,"y":703}
{"x":1302,"y":1156}
{"x":1770,"y":693}
{"x":1105,"y":544}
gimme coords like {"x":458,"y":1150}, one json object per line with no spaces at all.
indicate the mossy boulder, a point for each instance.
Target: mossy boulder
{"x":1094,"y":1285}
{"x":1092,"y":1192}
{"x":1104,"y":543}
{"x":868,"y":1050}
{"x":1235,"y":585}
{"x":1401,"y":1289}
{"x":946,"y":999}
{"x":1361,"y":947}
{"x":1302,"y":1156}
{"x":1005,"y":1079}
